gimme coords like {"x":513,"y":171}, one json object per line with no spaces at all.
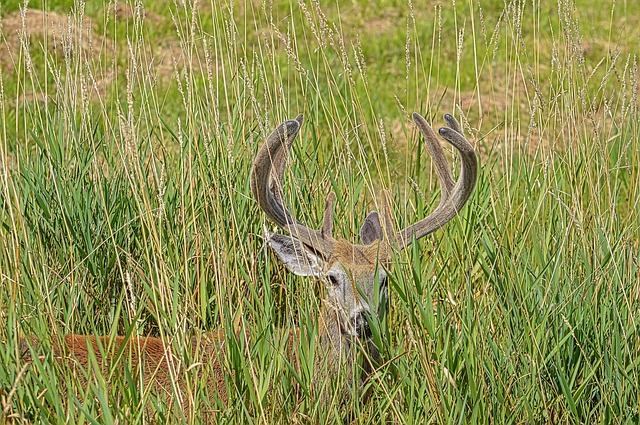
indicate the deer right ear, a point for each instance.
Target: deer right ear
{"x":294,"y":255}
{"x":371,"y":230}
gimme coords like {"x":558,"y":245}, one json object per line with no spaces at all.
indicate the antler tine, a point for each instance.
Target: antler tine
{"x":266,"y":185}
{"x":280,"y":162}
{"x":454,"y":194}
{"x":443,"y":168}
{"x":327,"y":219}
{"x":451,"y":122}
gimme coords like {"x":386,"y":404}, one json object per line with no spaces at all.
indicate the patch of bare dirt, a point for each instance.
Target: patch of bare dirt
{"x":172,"y":56}
{"x":77,"y":40}
{"x":61,"y":35}
{"x":125,"y":11}
{"x":385,"y":23}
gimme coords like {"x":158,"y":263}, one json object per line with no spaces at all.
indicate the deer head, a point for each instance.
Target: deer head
{"x":354,"y":274}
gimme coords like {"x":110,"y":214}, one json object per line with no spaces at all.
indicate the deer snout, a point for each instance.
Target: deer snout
{"x":361,"y":325}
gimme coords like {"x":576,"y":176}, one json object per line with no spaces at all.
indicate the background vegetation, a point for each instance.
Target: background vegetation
{"x":127,"y":132}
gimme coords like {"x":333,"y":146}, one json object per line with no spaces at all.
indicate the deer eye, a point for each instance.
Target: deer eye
{"x":333,"y":280}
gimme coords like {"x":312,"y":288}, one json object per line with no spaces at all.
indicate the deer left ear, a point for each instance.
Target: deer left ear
{"x":371,"y":230}
{"x":295,"y":255}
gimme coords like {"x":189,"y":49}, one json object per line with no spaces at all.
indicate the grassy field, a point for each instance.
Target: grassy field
{"x":127,"y":133}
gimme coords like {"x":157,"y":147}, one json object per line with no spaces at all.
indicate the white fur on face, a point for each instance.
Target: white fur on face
{"x":351,"y":296}
{"x":350,"y":291}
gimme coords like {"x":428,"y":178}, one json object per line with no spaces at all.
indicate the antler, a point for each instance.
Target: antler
{"x":268,"y":172}
{"x":266,"y":184}
{"x":454,"y":194}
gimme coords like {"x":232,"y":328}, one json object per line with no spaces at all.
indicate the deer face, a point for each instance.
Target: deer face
{"x":355,"y":281}
{"x":354,"y":296}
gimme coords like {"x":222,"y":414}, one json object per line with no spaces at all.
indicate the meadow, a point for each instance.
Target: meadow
{"x":127,"y":134}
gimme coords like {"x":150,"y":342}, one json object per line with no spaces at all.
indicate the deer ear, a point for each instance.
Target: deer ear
{"x":371,"y":230}
{"x":299,"y":259}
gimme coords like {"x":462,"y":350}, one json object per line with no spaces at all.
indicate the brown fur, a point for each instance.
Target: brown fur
{"x":162,"y":371}
{"x":354,"y":256}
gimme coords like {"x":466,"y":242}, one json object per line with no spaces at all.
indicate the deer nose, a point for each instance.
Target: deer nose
{"x":361,"y":325}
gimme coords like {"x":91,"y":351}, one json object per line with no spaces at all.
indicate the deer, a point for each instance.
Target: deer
{"x":354,"y":275}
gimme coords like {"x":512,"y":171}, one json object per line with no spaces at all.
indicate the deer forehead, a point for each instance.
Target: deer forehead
{"x":359,"y":260}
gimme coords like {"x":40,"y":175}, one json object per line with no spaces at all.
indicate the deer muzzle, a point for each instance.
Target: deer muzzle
{"x":360,"y":325}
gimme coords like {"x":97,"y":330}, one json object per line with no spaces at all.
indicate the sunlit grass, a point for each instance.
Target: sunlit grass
{"x":125,"y":206}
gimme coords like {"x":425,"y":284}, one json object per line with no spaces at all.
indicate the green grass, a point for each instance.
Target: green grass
{"x":125,"y":206}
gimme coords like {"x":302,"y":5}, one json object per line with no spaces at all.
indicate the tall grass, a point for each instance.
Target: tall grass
{"x":128,"y":134}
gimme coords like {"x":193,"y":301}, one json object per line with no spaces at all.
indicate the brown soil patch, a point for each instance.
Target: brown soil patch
{"x":68,"y":38}
{"x":126,"y":11}
{"x":172,"y":56}
{"x":388,"y":21}
{"x":61,"y":35}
